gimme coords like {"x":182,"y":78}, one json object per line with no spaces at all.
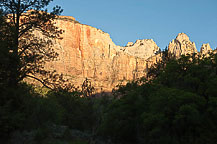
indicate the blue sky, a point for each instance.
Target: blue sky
{"x":160,"y":20}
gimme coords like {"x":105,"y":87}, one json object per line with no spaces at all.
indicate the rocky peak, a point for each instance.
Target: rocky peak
{"x":181,"y":46}
{"x":182,"y":37}
{"x":142,"y":48}
{"x":205,"y":49}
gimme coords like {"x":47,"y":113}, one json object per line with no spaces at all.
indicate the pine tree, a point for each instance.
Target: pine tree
{"x":28,"y":36}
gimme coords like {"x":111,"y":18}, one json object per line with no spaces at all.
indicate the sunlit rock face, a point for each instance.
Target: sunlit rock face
{"x":87,"y":52}
{"x":142,"y":48}
{"x":181,"y":46}
{"x":205,"y":49}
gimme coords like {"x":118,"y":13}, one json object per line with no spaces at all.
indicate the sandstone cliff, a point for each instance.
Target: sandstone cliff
{"x":87,"y":52}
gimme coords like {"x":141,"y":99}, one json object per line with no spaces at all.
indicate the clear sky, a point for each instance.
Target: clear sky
{"x":160,"y":20}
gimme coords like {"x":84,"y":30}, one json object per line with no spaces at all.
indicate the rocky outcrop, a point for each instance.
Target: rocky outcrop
{"x":142,"y":48}
{"x":181,"y":46}
{"x":205,"y":49}
{"x":129,"y":44}
{"x":87,"y":52}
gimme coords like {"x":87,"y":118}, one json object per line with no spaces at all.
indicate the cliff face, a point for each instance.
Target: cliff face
{"x":87,"y":52}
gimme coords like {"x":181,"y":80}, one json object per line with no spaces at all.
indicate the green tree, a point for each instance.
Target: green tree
{"x":27,"y":35}
{"x":173,"y":116}
{"x":178,"y":105}
{"x":31,"y":31}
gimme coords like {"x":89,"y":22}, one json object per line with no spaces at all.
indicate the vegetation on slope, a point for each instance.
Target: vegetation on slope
{"x":176,"y":105}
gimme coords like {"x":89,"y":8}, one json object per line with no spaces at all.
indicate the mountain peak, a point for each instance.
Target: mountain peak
{"x":181,"y":46}
{"x":205,"y":49}
{"x":182,"y":37}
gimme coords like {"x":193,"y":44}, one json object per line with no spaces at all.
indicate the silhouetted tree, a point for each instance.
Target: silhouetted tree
{"x":87,"y":88}
{"x":158,"y":67}
{"x":28,"y":37}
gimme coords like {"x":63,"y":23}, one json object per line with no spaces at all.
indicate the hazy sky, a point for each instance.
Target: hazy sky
{"x":160,"y":20}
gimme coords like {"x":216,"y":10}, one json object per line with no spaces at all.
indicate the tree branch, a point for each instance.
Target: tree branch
{"x":42,"y":82}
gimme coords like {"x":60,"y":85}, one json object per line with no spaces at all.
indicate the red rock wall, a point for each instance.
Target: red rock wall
{"x":87,"y":52}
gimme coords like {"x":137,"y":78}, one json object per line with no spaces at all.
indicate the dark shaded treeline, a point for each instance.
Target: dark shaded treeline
{"x":175,"y":104}
{"x":178,"y":106}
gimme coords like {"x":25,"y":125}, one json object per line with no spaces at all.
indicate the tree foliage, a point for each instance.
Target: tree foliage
{"x":28,"y":35}
{"x":175,"y":106}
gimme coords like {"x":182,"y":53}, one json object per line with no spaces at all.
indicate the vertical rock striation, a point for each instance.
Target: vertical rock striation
{"x":87,"y":52}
